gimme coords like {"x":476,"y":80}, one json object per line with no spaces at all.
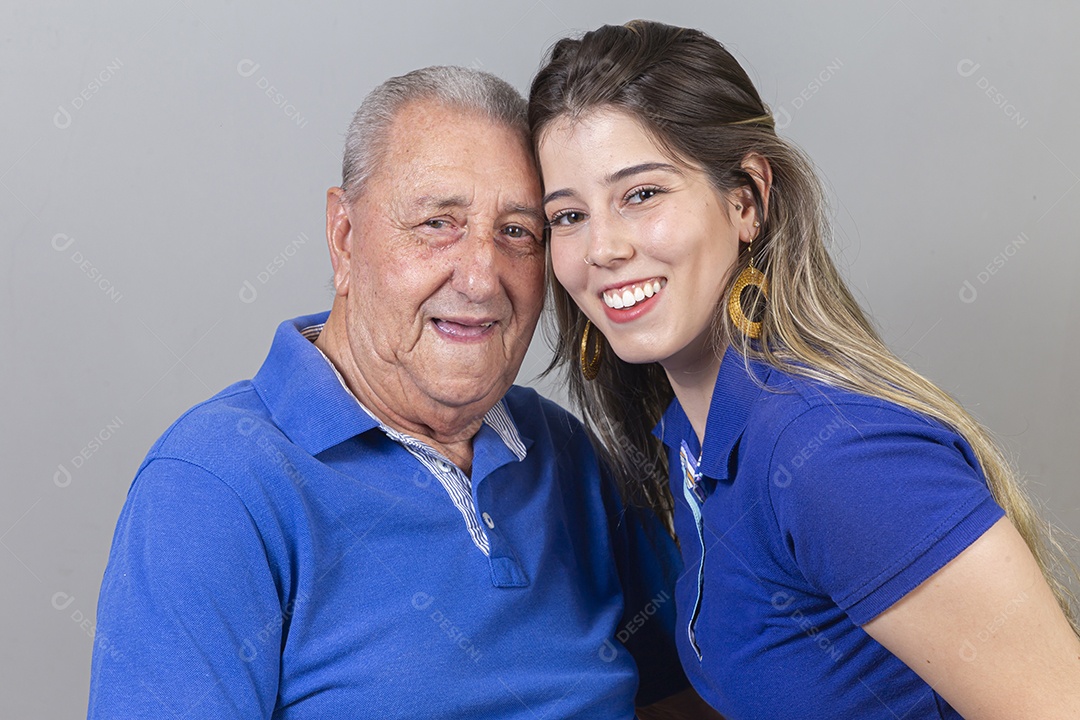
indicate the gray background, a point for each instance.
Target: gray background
{"x":160,"y":214}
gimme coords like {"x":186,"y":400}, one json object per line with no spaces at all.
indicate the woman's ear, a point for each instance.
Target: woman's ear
{"x":757,"y":167}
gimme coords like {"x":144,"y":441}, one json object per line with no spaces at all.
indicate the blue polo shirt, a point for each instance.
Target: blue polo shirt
{"x":281,"y":554}
{"x":816,"y":509}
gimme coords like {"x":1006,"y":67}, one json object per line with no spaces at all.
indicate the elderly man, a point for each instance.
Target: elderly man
{"x":378,"y":524}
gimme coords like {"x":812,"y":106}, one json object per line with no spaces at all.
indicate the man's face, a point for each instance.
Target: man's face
{"x":446,"y":267}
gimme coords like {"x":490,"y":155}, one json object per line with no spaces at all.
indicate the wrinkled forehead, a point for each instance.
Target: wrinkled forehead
{"x":433,"y":149}
{"x":431,"y":127}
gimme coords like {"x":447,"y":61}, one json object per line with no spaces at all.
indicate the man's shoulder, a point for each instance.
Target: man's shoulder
{"x":532,"y":411}
{"x":211,"y":428}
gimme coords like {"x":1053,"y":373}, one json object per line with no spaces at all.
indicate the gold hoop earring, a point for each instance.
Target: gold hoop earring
{"x":590,"y":366}
{"x":750,"y":276}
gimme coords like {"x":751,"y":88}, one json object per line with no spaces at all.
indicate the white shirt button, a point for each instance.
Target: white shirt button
{"x":488,"y":521}
{"x":443,"y":465}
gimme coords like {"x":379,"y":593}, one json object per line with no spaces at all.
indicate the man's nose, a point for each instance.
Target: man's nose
{"x":476,"y":270}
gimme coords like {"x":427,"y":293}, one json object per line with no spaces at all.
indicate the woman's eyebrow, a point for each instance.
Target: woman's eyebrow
{"x":639,"y":168}
{"x":616,"y":177}
{"x":557,"y":194}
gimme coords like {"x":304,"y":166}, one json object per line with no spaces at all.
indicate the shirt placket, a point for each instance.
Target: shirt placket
{"x":694,"y":495}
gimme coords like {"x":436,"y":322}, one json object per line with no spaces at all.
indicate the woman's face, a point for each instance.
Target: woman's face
{"x":660,"y":240}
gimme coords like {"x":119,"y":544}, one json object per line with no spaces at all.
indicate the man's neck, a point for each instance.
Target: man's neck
{"x":449,"y":430}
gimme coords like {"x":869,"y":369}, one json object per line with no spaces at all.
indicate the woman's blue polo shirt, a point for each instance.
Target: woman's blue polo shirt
{"x":816,"y":510}
{"x":281,"y":555}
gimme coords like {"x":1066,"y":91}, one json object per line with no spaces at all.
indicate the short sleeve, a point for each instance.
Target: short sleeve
{"x":188,"y":618}
{"x":871,"y":501}
{"x":648,"y":563}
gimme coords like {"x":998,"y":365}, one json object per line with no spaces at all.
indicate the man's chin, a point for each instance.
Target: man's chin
{"x":453,"y":390}
{"x":473,"y":374}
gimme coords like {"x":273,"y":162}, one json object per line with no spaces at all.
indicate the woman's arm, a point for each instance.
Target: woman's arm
{"x":986,"y":633}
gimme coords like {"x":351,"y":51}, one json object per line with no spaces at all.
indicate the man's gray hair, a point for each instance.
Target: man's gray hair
{"x":458,"y":87}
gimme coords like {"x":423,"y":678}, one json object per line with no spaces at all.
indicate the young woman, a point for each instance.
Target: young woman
{"x":854,"y":543}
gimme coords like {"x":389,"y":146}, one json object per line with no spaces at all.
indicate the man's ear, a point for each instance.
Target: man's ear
{"x":339,"y":238}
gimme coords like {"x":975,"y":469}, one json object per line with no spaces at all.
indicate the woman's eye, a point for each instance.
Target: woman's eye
{"x":640,"y":195}
{"x":567,"y":217}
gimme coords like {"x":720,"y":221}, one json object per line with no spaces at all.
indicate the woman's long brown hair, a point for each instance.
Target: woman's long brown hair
{"x":700,"y":106}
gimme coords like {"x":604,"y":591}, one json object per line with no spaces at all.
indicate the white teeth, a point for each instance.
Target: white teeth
{"x":631,"y":296}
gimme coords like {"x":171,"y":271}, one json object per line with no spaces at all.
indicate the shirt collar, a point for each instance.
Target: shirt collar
{"x":498,"y":417}
{"x":733,"y":397}
{"x":309,"y":400}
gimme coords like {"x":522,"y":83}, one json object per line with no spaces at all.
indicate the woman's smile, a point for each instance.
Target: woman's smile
{"x":658,"y":240}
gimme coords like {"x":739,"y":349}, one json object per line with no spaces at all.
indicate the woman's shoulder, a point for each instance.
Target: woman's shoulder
{"x":793,"y":406}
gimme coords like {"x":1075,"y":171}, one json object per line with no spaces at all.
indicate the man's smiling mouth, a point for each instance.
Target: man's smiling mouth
{"x":464,"y":328}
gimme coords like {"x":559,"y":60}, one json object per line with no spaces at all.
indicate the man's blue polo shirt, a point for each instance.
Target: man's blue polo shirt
{"x":281,"y":555}
{"x":819,"y":509}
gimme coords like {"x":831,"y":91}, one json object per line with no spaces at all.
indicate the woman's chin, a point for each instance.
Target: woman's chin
{"x":638,"y":355}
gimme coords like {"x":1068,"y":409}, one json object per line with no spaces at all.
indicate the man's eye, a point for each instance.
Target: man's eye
{"x":567,"y":217}
{"x":516,"y":232}
{"x":436,"y":223}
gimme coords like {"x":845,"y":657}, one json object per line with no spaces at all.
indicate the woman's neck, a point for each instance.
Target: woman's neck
{"x":693,"y":384}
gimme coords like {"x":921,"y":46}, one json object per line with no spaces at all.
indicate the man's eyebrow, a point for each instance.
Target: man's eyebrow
{"x":533,"y":213}
{"x":436,"y":202}
{"x":616,"y":177}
